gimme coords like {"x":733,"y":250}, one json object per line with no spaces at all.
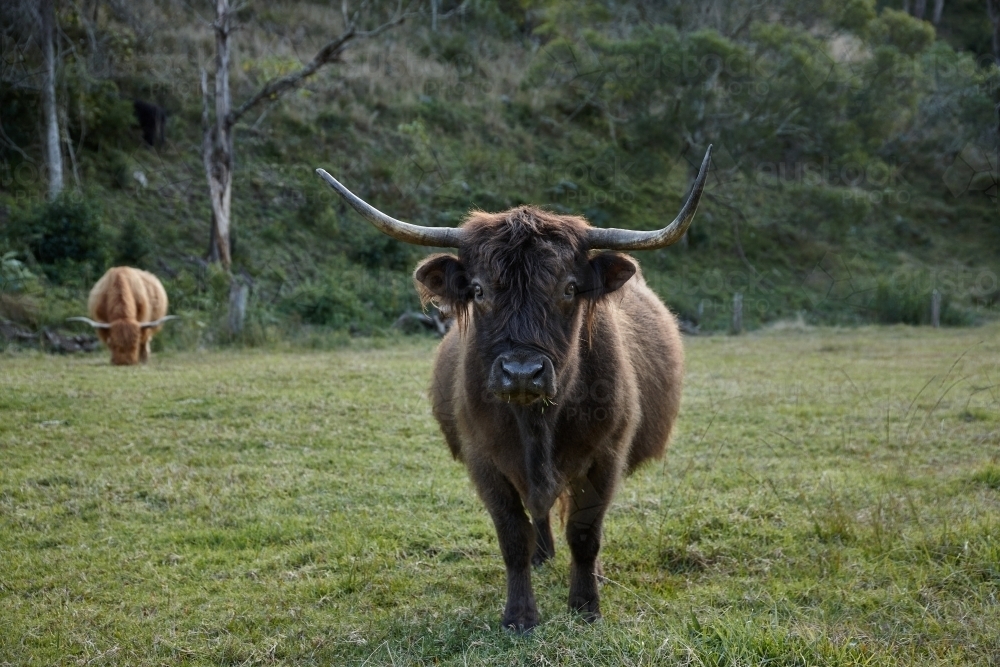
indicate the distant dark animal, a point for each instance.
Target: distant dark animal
{"x":153,"y":121}
{"x":127,"y":306}
{"x":563,"y":374}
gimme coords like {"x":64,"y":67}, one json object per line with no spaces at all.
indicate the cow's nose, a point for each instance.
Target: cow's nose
{"x":523,"y":376}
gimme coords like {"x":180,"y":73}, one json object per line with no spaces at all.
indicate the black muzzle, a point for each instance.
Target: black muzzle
{"x":523,"y":377}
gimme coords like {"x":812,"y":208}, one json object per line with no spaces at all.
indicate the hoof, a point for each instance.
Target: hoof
{"x":521,"y":625}
{"x":540,"y":557}
{"x":590,"y":610}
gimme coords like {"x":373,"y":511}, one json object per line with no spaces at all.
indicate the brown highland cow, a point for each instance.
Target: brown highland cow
{"x":127,"y":306}
{"x":563,"y":374}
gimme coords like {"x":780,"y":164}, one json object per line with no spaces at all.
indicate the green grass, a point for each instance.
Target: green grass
{"x":831,"y":497}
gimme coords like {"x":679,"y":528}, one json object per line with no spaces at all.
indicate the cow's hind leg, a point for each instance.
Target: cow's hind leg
{"x":544,"y":544}
{"x":589,"y":498}
{"x":516,"y":537}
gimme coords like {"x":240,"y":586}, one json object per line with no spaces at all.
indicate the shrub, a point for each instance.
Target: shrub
{"x":904,"y":306}
{"x":134,"y":244}
{"x":350,"y":297}
{"x":66,"y":238}
{"x":14,"y":275}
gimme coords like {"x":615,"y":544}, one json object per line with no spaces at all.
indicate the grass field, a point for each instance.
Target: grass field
{"x":831,"y":497}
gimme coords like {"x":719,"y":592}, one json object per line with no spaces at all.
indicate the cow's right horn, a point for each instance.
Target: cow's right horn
{"x":156,"y":323}
{"x":96,"y":325}
{"x":441,"y":237}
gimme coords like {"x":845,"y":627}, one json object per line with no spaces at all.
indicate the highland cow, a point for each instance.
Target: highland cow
{"x":127,"y":306}
{"x":562,"y":375}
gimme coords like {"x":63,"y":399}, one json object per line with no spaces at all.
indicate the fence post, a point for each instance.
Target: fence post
{"x":738,"y":313}
{"x":935,"y":309}
{"x":239,"y":290}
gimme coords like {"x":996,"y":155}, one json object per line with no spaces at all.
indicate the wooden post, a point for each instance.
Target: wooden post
{"x":737,"y":313}
{"x":935,"y":309}
{"x":239,"y":290}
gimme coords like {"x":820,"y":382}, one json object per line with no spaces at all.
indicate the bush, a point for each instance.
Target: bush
{"x":14,"y":275}
{"x":134,"y":244}
{"x":66,"y":238}
{"x":903,"y":306}
{"x":349,"y":297}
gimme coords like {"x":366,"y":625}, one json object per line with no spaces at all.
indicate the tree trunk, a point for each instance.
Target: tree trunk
{"x":938,"y":8}
{"x":53,"y":155}
{"x":217,"y":132}
{"x":217,"y":140}
{"x":919,"y":8}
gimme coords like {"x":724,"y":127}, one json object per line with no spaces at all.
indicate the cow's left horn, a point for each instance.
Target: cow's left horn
{"x":441,"y":237}
{"x":156,"y":323}
{"x":628,"y":239}
{"x":96,"y":325}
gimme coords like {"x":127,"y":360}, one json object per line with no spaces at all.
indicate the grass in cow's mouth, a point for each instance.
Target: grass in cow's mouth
{"x":827,"y":500}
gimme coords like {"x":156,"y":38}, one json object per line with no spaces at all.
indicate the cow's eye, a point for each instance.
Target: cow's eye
{"x":570,"y":291}
{"x":477,"y":291}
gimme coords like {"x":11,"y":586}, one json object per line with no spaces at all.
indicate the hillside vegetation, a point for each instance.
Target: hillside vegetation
{"x":855,"y":162}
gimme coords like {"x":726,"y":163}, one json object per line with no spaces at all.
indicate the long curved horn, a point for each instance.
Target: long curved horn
{"x":628,"y":239}
{"x":96,"y":325}
{"x":156,"y":323}
{"x":441,"y":237}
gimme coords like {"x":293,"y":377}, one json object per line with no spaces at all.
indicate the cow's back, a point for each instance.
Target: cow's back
{"x":127,"y":293}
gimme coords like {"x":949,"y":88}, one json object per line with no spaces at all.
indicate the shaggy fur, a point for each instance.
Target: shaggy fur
{"x":126,"y":297}
{"x":618,"y":367}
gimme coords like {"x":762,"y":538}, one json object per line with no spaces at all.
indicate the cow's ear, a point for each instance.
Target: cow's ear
{"x":609,"y":271}
{"x":442,"y":279}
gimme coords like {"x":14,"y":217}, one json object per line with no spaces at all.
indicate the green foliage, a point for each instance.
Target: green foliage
{"x":908,"y":34}
{"x":14,"y":275}
{"x":134,"y":245}
{"x":831,"y":121}
{"x":350,"y":297}
{"x":898,"y":301}
{"x":99,"y":118}
{"x":65,"y":236}
{"x":854,"y":15}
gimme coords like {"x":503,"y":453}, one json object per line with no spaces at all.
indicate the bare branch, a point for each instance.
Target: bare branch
{"x":454,"y":12}
{"x":278,"y":86}
{"x":331,"y":52}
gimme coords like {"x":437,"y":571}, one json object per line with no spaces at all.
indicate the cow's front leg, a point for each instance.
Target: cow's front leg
{"x":144,"y":352}
{"x":516,"y":537}
{"x":589,"y":498}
